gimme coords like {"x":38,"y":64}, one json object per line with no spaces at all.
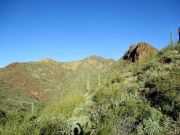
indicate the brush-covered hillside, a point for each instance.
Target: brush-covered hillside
{"x":47,"y":80}
{"x":137,"y":95}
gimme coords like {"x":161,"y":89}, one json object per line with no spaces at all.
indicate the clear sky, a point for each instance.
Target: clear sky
{"x":68,"y":30}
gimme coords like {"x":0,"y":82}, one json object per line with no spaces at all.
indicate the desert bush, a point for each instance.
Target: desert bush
{"x":64,"y":106}
{"x":156,"y":123}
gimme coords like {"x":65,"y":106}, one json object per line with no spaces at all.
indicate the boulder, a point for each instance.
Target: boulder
{"x":139,"y":50}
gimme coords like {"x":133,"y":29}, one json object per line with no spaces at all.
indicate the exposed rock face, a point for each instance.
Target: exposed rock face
{"x":48,"y":60}
{"x":139,"y":50}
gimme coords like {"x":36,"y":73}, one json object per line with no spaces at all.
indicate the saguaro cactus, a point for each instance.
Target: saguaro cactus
{"x":171,"y":38}
{"x":88,"y":83}
{"x":32,"y":108}
{"x":179,"y":34}
{"x":99,"y":79}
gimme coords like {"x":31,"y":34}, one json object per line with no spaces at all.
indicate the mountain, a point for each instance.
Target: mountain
{"x":45,"y":79}
{"x":138,"y":95}
{"x":87,"y":73}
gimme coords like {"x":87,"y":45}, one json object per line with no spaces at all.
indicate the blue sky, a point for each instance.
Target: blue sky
{"x":68,"y":30}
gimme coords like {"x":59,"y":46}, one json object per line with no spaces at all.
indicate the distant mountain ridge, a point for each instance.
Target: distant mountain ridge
{"x":44,"y":79}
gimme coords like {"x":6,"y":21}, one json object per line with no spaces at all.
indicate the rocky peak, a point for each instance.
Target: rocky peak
{"x":139,"y":50}
{"x":48,"y":60}
{"x":94,"y":58}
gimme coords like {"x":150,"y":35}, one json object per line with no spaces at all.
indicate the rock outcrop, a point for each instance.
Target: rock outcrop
{"x":139,"y":50}
{"x":48,"y":60}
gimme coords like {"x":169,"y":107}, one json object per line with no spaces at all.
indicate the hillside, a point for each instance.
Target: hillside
{"x":46,"y":80}
{"x":87,"y":74}
{"x":136,"y":95}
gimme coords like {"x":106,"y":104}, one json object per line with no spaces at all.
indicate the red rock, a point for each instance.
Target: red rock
{"x":139,"y":50}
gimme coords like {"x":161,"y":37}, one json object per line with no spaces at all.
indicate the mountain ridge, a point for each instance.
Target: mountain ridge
{"x":93,"y":96}
{"x":34,"y":76}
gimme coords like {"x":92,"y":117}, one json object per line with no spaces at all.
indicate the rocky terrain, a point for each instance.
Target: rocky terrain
{"x":43,"y":81}
{"x":139,"y":50}
{"x":139,"y":94}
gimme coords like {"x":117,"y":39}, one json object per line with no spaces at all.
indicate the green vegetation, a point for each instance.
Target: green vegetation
{"x":127,"y":98}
